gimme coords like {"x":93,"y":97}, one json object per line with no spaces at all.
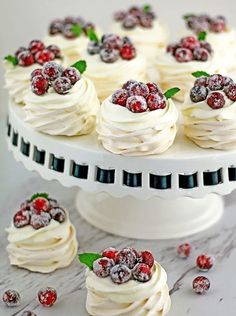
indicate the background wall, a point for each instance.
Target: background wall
{"x":24,"y":20}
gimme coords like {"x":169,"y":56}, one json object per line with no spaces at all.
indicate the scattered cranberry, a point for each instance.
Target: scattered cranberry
{"x":201,"y":285}
{"x":21,"y":218}
{"x":120,"y":274}
{"x":25,"y":58}
{"x":93,"y":48}
{"x":127,"y":52}
{"x":72,"y":74}
{"x":130,"y":22}
{"x":184,"y":250}
{"x":109,"y":55}
{"x":58,"y":214}
{"x":198,"y":93}
{"x":216,"y":82}
{"x":171,"y":48}
{"x":111,"y":41}
{"x":11,"y":298}
{"x":55,"y":49}
{"x":200,"y":54}
{"x":204,"y":262}
{"x":62,"y":85}
{"x":52,"y":70}
{"x":128,"y":84}
{"x":110,"y":253}
{"x":147,"y":258}
{"x":120,"y":97}
{"x":139,"y":88}
{"x":127,"y":256}
{"x":56,"y":27}
{"x":102,"y":267}
{"x":36,"y":72}
{"x":44,"y":56}
{"x":216,"y":100}
{"x":20,"y":50}
{"x":142,"y":272}
{"x":38,"y":221}
{"x":202,"y":81}
{"x":190,"y":42}
{"x":28,"y":313}
{"x":153,"y":87}
{"x":40,"y":204}
{"x":156,"y":101}
{"x":39,"y":85}
{"x":183,"y":55}
{"x":230,"y":91}
{"x":47,"y":297}
{"x":36,"y":46}
{"x":136,"y":104}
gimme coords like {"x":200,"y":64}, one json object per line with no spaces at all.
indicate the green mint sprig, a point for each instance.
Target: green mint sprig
{"x":88,"y":259}
{"x":147,"y":8}
{"x":202,"y":36}
{"x":200,"y":73}
{"x":11,"y":59}
{"x":171,"y":92}
{"x":77,"y":30}
{"x":92,"y":35}
{"x":80,"y":65}
{"x":37,"y":195}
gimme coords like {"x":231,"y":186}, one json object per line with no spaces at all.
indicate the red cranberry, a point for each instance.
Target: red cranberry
{"x":20,"y":50}
{"x":93,"y":48}
{"x":230,"y":91}
{"x":200,"y":54}
{"x":68,"y":31}
{"x":198,"y":93}
{"x":11,"y":298}
{"x":146,"y":21}
{"x":102,"y":267}
{"x":58,"y":214}
{"x":218,"y":26}
{"x":228,"y":81}
{"x":119,"y":15}
{"x":128,"y":84}
{"x":204,"y":262}
{"x":55,"y":50}
{"x":120,"y":97}
{"x":111,"y":41}
{"x":38,"y":221}
{"x":206,"y":45}
{"x":139,"y":88}
{"x":135,"y":11}
{"x":120,"y":274}
{"x":39,"y":85}
{"x":127,"y":52}
{"x":72,"y":74}
{"x":184,"y":250}
{"x":56,"y":27}
{"x":25,"y":58}
{"x":36,"y":72}
{"x":130,"y":22}
{"x":136,"y":104}
{"x":190,"y":42}
{"x":36,"y":46}
{"x":40,"y":204}
{"x":44,"y":56}
{"x":216,"y":100}
{"x":109,"y":55}
{"x":183,"y":55}
{"x":47,"y":296}
{"x":156,"y":101}
{"x":216,"y":82}
{"x":147,"y":258}
{"x":28,"y":313}
{"x":201,"y":285}
{"x":153,"y":87}
{"x":51,"y":70}
{"x":201,"y":81}
{"x":127,"y":256}
{"x":21,"y":218}
{"x":62,"y":85}
{"x":142,"y":272}
{"x":110,"y":253}
{"x":171,"y":48}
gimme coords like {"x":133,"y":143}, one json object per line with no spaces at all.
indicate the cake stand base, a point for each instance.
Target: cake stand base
{"x":155,"y":218}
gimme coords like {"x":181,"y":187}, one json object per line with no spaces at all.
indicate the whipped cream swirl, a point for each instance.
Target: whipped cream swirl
{"x":71,"y":114}
{"x":136,"y":134}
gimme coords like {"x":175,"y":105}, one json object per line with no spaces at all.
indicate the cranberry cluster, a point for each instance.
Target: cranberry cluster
{"x":112,"y":47}
{"x":65,"y":26}
{"x":190,"y":48}
{"x":38,"y":212}
{"x":204,"y":23}
{"x":136,"y":16}
{"x":211,"y":88}
{"x":140,"y":97}
{"x":124,"y":265}
{"x":54,"y":75}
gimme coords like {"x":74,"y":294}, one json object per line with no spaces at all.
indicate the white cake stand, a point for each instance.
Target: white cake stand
{"x":171,"y":195}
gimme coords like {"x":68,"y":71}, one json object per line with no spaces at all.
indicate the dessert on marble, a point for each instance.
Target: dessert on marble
{"x":61,"y":101}
{"x":111,"y":61}
{"x":41,"y":236}
{"x":19,"y":66}
{"x":71,"y":34}
{"x":138,"y":120}
{"x":125,"y":282}
{"x":179,"y":60}
{"x":209,"y":112}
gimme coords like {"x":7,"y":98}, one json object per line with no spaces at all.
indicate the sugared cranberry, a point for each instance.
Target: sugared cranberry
{"x":62,"y":85}
{"x":109,"y":55}
{"x":127,"y":256}
{"x":127,"y":52}
{"x":44,"y":56}
{"x":37,"y":72}
{"x":139,"y":88}
{"x":146,"y":20}
{"x":204,"y":262}
{"x":38,"y":221}
{"x":136,"y":104}
{"x":28,"y":313}
{"x":120,"y":97}
{"x":68,"y":31}
{"x":40,"y":204}
{"x":70,"y":19}
{"x":130,"y":22}
{"x":25,"y":58}
{"x":216,"y":82}
{"x":119,"y":15}
{"x":227,"y":81}
{"x":93,"y":48}
{"x":72,"y":74}
{"x":171,"y":48}
{"x":200,"y":54}
{"x":198,"y":93}
{"x":55,"y":49}
{"x":11,"y":298}
{"x":53,"y":203}
{"x":128,"y":84}
{"x":21,"y":218}
{"x":111,"y":41}
{"x":127,"y":40}
{"x":20,"y":50}
{"x":110,"y":253}
{"x":135,"y":11}
{"x":206,"y":45}
{"x":39,"y":85}
{"x":183,"y":55}
{"x":153,"y":87}
{"x":147,"y":258}
{"x":58,"y":214}
{"x":201,"y":285}
{"x":142,"y":272}
{"x":102,"y":267}
{"x":217,"y":26}
{"x":190,"y":42}
{"x":156,"y":101}
{"x":52,"y":70}
{"x":120,"y":274}
{"x":184,"y":250}
{"x":216,"y":100}
{"x":56,"y":27}
{"x":201,"y":81}
{"x":47,"y":297}
{"x":36,"y":46}
{"x":230,"y":91}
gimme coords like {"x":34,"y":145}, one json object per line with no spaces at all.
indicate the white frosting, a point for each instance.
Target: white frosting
{"x":109,"y":77}
{"x":173,"y":73}
{"x":70,"y":114}
{"x":43,"y":250}
{"x":133,"y":298}
{"x":210,"y":128}
{"x":132,"y":134}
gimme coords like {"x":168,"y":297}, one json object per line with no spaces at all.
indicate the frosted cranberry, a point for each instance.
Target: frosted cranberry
{"x":55,"y":50}
{"x":127,"y":40}
{"x":119,"y":15}
{"x":72,"y":74}
{"x":58,"y":214}
{"x":62,"y":85}
{"x":111,"y":41}
{"x":39,"y":85}
{"x":47,"y":297}
{"x":139,"y":88}
{"x":109,"y":55}
{"x":20,"y":50}
{"x":88,"y":26}
{"x":218,"y":26}
{"x":127,"y":256}
{"x":70,"y":19}
{"x":130,"y":22}
{"x":53,"y":203}
{"x":120,"y":97}
{"x":52,"y":70}
{"x":216,"y":82}
{"x":37,"y":72}
{"x":36,"y":46}
{"x":184,"y":250}
{"x":191,"y":21}
{"x":28,"y":313}
{"x":204,"y":262}
{"x":11,"y":298}
{"x":38,"y":221}
{"x":190,"y":42}
{"x":136,"y":104}
{"x":200,"y":54}
{"x":40,"y":204}
{"x":206,"y":45}
{"x":146,"y":21}
{"x":135,"y":11}
{"x":153,"y":87}
{"x":227,"y":81}
{"x":25,"y":205}
{"x":25,"y":58}
{"x":102,"y":267}
{"x":120,"y":274}
{"x":56,"y":27}
{"x":128,"y":84}
{"x":142,"y":272}
{"x":171,"y":48}
{"x":230,"y":91}
{"x":44,"y":56}
{"x":93,"y":48}
{"x":201,"y":285}
{"x":68,"y":31}
{"x":202,"y":81}
{"x":127,"y":52}
{"x":198,"y":93}
{"x":110,"y":253}
{"x":216,"y":100}
{"x":156,"y":101}
{"x":147,"y":258}
{"x":183,"y":55}
{"x":21,"y":218}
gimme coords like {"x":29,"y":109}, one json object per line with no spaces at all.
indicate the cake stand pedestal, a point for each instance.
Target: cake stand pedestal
{"x":171,"y":195}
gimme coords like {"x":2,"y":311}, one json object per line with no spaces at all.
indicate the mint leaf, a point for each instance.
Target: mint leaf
{"x":80,"y":65}
{"x":202,"y":36}
{"x":89,"y":258}
{"x":146,"y":8}
{"x":77,"y":30}
{"x":187,"y":16}
{"x":92,"y":35}
{"x":11,"y":59}
{"x":36,"y":195}
{"x":171,"y":92}
{"x":199,"y":73}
